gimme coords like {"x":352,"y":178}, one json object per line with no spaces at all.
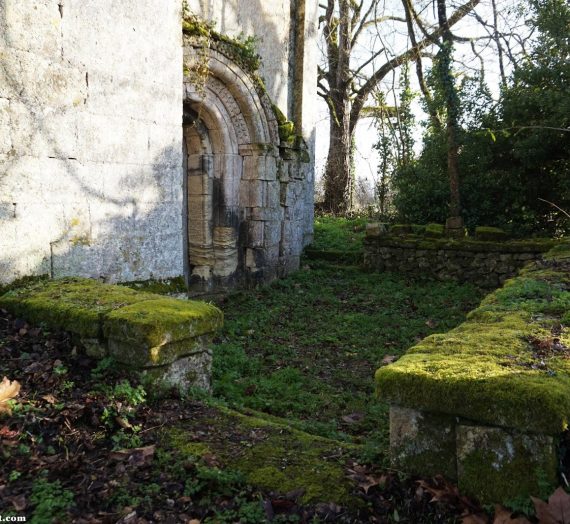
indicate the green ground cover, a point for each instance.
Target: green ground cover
{"x":306,"y":348}
{"x":336,"y":233}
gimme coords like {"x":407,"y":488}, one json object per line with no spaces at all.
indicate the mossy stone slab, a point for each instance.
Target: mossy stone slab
{"x":270,"y":455}
{"x":486,"y":370}
{"x":492,"y":234}
{"x":77,"y":305}
{"x":422,"y":442}
{"x":151,"y":325}
{"x":140,"y":354}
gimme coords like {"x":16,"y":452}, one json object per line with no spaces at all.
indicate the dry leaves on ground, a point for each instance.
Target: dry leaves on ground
{"x":556,"y":510}
{"x":8,"y":391}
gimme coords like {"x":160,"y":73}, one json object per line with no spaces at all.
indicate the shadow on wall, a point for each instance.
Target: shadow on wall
{"x":61,"y":214}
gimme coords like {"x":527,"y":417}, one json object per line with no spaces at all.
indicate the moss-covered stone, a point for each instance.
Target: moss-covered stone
{"x":161,"y":322}
{"x":401,"y":238}
{"x":167,"y":286}
{"x":422,"y":442}
{"x":486,"y":369}
{"x":74,"y":304}
{"x":401,"y":229}
{"x":497,"y":465}
{"x":418,"y":229}
{"x":279,"y":115}
{"x":143,"y":329}
{"x":270,"y":455}
{"x":435,"y":230}
{"x":492,"y":234}
{"x":287,"y":132}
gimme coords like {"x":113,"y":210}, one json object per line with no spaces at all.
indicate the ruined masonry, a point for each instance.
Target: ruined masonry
{"x":119,"y":161}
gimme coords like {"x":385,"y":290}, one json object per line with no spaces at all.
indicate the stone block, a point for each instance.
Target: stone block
{"x":496,"y":465}
{"x":165,"y":337}
{"x":422,"y":442}
{"x":191,"y":371}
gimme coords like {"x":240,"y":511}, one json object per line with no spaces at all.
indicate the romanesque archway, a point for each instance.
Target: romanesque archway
{"x":231,"y":145}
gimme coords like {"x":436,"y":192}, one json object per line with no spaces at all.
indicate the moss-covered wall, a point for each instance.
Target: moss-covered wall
{"x":501,"y":380}
{"x":485,"y":263}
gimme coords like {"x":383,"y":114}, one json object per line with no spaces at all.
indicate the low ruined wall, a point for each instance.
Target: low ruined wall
{"x":487,"y":264}
{"x":486,"y":403}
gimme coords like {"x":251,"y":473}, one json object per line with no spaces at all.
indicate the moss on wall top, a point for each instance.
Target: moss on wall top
{"x":410,"y":241}
{"x":507,"y":365}
{"x":92,"y":309}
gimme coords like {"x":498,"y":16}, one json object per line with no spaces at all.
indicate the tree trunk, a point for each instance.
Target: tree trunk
{"x":338,"y":168}
{"x":454,"y":224}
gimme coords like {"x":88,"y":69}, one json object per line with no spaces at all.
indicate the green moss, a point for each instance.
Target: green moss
{"x":501,"y":466}
{"x":490,"y":233}
{"x":161,"y":321}
{"x":401,"y":229}
{"x":435,"y":230}
{"x":402,"y":238}
{"x":165,"y":286}
{"x":418,"y":229}
{"x":21,"y":282}
{"x":270,"y":455}
{"x":74,"y":304}
{"x":241,"y":49}
{"x":287,"y":132}
{"x":485,"y":370}
{"x":279,"y":115}
{"x":92,"y":309}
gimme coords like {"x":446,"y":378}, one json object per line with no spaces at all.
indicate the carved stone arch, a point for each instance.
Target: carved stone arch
{"x":231,"y":142}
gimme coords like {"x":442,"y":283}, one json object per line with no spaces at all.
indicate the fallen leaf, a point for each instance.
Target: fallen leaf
{"x":50,"y":399}
{"x":135,"y":456}
{"x":6,"y":432}
{"x":556,"y":510}
{"x":431,"y":323}
{"x":19,"y":502}
{"x":364,"y":481}
{"x":559,"y":503}
{"x":388,"y":359}
{"x":123,"y":422}
{"x":211,"y":460}
{"x":504,"y":516}
{"x":8,"y":390}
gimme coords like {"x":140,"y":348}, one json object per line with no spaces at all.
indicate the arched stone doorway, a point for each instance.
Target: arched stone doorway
{"x":240,"y":225}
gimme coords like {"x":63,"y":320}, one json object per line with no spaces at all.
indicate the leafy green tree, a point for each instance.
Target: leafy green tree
{"x":514,"y":156}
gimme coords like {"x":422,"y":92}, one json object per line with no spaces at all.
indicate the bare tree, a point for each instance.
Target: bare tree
{"x":346,"y":84}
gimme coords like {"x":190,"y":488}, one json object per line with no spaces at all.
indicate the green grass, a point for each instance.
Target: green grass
{"x":342,"y":234}
{"x":306,"y":347}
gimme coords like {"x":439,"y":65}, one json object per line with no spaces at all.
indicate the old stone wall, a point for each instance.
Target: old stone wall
{"x":93,"y":167}
{"x":286,"y":39}
{"x":90,"y":139}
{"x":487,"y":264}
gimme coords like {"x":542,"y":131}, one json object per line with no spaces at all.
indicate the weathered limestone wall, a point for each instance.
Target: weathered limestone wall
{"x":287,"y":42}
{"x":91,"y":139}
{"x":487,"y":264}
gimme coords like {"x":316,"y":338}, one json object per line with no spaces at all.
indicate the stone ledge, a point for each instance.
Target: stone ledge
{"x":506,"y":370}
{"x":165,"y":338}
